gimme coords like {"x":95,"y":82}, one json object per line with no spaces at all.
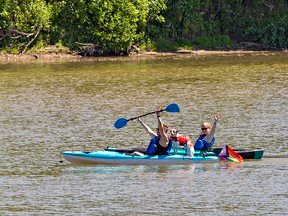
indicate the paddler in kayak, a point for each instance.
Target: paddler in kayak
{"x":206,"y":139}
{"x":160,"y":144}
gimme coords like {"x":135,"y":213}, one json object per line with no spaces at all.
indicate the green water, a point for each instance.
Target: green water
{"x":47,"y":108}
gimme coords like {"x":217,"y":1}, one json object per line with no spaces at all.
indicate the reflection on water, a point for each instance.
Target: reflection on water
{"x":107,"y":170}
{"x":231,"y":166}
{"x":47,"y":108}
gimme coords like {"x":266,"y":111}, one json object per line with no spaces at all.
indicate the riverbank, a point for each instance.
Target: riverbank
{"x":64,"y":57}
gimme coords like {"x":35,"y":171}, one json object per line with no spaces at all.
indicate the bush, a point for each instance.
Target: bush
{"x":164,"y":45}
{"x":274,"y":33}
{"x":23,"y":21}
{"x":147,"y":45}
{"x":112,"y":25}
{"x":213,"y":42}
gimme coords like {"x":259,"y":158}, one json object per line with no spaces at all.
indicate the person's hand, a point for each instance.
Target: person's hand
{"x":158,"y":112}
{"x":217,"y":117}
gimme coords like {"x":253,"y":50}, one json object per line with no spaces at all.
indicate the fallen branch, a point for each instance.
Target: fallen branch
{"x":84,"y":44}
{"x":22,"y":33}
{"x":270,"y":6}
{"x":28,"y":44}
{"x":13,"y":33}
{"x":90,"y":49}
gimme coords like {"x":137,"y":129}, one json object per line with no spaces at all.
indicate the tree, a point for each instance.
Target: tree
{"x":112,"y":25}
{"x":22,"y":22}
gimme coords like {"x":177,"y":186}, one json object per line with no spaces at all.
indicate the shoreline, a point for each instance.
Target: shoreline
{"x":64,"y":57}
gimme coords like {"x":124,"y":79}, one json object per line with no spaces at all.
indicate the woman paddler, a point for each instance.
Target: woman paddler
{"x":160,"y":144}
{"x":206,"y":139}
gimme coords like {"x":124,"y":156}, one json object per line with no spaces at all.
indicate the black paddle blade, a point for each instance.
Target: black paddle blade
{"x":121,"y":122}
{"x":173,"y":108}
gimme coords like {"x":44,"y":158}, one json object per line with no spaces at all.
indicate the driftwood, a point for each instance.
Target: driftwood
{"x":15,"y":34}
{"x":133,"y":49}
{"x":28,"y":44}
{"x":90,"y":49}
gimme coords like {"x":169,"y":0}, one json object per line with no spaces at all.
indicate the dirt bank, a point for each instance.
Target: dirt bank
{"x":62,"y":57}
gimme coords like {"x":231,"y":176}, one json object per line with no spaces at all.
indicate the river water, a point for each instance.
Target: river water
{"x":50,"y":107}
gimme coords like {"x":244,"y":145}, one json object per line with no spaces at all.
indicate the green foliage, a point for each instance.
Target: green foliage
{"x":166,"y":25}
{"x":60,"y":47}
{"x":184,"y":18}
{"x":213,"y":42}
{"x":274,"y":33}
{"x":148,"y":45}
{"x":31,"y":15}
{"x":39,"y":47}
{"x":205,"y":22}
{"x":22,"y":20}
{"x":255,"y":21}
{"x":165,"y":45}
{"x":4,"y":15}
{"x":183,"y":43}
{"x":24,"y":15}
{"x":112,"y":25}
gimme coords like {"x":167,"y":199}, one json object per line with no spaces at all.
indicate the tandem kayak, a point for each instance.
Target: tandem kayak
{"x":120,"y":158}
{"x":244,"y":153}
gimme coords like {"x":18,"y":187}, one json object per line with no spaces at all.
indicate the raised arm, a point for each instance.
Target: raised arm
{"x":148,"y":129}
{"x":164,"y":139}
{"x":210,"y":136}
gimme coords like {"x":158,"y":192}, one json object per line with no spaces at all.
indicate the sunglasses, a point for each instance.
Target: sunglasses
{"x":204,"y":128}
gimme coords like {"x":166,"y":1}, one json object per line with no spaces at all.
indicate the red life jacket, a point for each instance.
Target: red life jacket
{"x":181,"y":139}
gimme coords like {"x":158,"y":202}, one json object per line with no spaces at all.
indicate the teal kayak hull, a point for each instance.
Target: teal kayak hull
{"x":117,"y":158}
{"x":244,"y":153}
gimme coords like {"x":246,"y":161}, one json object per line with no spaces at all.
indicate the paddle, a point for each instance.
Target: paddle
{"x":121,"y":122}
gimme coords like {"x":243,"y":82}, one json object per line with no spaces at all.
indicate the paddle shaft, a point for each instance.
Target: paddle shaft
{"x":121,"y":122}
{"x":131,"y":119}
